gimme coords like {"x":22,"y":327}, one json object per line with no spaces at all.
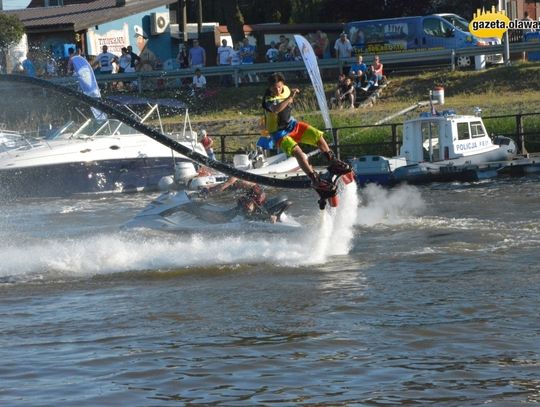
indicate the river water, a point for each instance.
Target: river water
{"x":423,"y":295}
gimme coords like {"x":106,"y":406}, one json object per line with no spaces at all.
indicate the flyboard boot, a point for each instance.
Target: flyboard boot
{"x":325,"y":183}
{"x":324,"y":187}
{"x":336,"y":167}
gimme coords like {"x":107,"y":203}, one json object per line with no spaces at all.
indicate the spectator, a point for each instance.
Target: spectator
{"x":235,"y":56}
{"x":247,"y":55}
{"x":51,"y":68}
{"x":208,"y":145}
{"x":343,"y":47}
{"x":376,"y":74}
{"x":320,"y":45}
{"x":135,"y":59}
{"x":272,"y":53}
{"x":71,"y":54}
{"x":28,"y":65}
{"x":284,"y":49}
{"x":236,"y":60}
{"x":147,"y":60}
{"x":181,"y":57}
{"x":337,"y":92}
{"x":124,"y":62}
{"x":359,"y":72}
{"x":345,"y":91}
{"x":197,"y":55}
{"x":199,"y":81}
{"x":223,"y":58}
{"x":295,"y":53}
{"x":105,"y":61}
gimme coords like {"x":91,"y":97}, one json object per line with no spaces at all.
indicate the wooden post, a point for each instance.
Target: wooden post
{"x":519,"y":133}
{"x":335,"y":135}
{"x":222,"y":141}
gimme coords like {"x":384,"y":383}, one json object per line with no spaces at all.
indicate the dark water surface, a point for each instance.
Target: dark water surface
{"x":435,"y":301}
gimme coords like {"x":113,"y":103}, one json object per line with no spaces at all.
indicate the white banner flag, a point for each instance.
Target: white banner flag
{"x":310,"y":60}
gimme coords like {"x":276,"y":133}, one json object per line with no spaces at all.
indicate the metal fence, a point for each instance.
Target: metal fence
{"x":167,"y":79}
{"x":386,"y":138}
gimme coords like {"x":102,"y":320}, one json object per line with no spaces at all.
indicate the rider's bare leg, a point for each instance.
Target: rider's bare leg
{"x":325,"y":149}
{"x":303,"y":162}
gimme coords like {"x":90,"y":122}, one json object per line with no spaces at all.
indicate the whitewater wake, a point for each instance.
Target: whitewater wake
{"x":101,"y":252}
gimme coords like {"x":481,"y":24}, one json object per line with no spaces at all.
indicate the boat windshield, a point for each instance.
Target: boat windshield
{"x":91,"y":128}
{"x":457,"y":21}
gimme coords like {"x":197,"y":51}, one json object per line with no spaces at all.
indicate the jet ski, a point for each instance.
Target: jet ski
{"x":191,"y":211}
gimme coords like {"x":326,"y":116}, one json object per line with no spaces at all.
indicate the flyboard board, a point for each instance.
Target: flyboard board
{"x":338,"y":174}
{"x":336,"y":177}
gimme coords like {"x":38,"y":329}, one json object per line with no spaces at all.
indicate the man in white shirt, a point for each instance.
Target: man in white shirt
{"x":272,"y":53}
{"x":224,"y":54}
{"x":343,"y":47}
{"x":199,"y":82}
{"x":106,"y":60}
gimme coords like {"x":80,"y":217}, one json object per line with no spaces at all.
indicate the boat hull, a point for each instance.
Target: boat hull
{"x":106,"y":176}
{"x":463,"y":169}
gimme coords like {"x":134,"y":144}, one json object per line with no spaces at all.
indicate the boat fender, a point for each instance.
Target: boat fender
{"x":166,"y":183}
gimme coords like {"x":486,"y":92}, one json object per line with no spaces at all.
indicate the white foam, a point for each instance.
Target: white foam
{"x":28,"y":258}
{"x":335,"y":229}
{"x":392,"y":206}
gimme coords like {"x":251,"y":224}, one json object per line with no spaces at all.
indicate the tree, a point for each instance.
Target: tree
{"x":11,"y":32}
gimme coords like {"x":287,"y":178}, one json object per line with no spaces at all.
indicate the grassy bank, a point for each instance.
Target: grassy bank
{"x":498,"y":90}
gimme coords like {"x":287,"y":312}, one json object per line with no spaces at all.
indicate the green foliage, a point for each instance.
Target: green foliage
{"x":11,"y":30}
{"x":335,"y":11}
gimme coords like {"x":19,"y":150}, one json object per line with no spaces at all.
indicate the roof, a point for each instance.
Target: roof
{"x":78,"y":17}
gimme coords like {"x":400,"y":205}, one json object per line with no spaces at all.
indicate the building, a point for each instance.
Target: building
{"x":88,"y":25}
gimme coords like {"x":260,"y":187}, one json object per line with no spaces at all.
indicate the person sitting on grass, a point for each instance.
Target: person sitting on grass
{"x":346,"y":91}
{"x":376,"y":74}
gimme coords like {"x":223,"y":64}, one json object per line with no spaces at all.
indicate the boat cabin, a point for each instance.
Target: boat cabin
{"x":445,"y":136}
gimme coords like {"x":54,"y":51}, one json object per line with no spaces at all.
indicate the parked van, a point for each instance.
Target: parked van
{"x":436,"y":31}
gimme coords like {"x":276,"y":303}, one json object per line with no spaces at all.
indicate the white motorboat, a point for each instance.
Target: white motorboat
{"x":437,"y":148}
{"x":95,"y":156}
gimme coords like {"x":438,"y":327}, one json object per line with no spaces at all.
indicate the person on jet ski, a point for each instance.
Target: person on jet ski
{"x":251,"y":203}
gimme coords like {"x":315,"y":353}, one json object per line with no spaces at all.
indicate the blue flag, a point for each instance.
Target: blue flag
{"x":87,"y":82}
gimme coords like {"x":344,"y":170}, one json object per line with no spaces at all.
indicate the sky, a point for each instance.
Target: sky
{"x":15,"y":4}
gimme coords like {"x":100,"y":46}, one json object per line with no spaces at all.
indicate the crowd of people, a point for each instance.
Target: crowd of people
{"x":355,"y":80}
{"x":359,"y":79}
